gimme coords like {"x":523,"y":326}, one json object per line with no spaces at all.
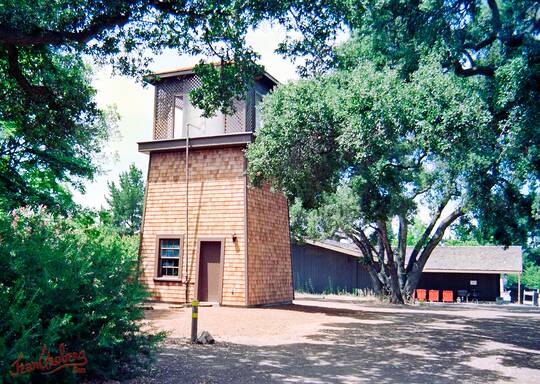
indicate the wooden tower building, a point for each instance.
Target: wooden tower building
{"x":206,"y":233}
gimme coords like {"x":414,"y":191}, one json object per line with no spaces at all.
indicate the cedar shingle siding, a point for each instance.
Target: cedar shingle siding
{"x":269,"y":259}
{"x":216,"y":209}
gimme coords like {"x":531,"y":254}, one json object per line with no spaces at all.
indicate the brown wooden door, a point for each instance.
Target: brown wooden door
{"x":209,"y":271}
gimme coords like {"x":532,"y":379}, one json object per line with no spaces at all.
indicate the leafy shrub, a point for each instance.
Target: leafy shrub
{"x":69,"y":281}
{"x":530,"y":279}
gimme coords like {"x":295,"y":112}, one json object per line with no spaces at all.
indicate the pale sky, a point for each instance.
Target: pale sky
{"x":135,"y":105}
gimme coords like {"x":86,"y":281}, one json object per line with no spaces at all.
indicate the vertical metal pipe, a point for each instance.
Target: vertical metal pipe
{"x":187,"y":213}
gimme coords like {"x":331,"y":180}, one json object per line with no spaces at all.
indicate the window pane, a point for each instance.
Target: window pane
{"x":202,"y":126}
{"x":169,"y":263}
{"x":178,"y":116}
{"x":170,"y":243}
{"x":169,"y":271}
{"x":169,"y":257}
{"x":170,"y":253}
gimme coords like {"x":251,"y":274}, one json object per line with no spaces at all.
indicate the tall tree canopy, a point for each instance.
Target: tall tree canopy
{"x":126,"y":201}
{"x":432,"y":103}
{"x":51,"y":130}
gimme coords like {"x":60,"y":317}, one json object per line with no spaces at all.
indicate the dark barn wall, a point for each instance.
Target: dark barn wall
{"x":320,"y":270}
{"x":487,"y":288}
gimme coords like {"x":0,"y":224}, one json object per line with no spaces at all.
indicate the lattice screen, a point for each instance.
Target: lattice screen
{"x":166,"y":92}
{"x":237,"y":121}
{"x":250,"y":115}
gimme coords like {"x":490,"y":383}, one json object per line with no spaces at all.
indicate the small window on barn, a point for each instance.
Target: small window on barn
{"x":169,"y":254}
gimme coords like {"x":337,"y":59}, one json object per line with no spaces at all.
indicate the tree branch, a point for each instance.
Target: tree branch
{"x":372,"y":250}
{"x":362,"y":242}
{"x":496,"y":27}
{"x":35,"y":92}
{"x":437,"y":236}
{"x":474,"y":70}
{"x":420,"y":243}
{"x":402,"y":248}
{"x":100,"y":23}
{"x":383,"y":234}
{"x":42,"y":36}
{"x":402,"y":239}
{"x":360,"y":239}
{"x":414,"y":273}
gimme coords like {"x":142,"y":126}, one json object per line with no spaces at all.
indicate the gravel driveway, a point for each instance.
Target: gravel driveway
{"x":338,"y":342}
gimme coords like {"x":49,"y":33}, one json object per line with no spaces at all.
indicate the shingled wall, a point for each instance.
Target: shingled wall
{"x":269,"y":248}
{"x":218,"y":200}
{"x":216,"y":209}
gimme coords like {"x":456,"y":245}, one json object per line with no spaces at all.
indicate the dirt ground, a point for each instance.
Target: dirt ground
{"x":323,"y":341}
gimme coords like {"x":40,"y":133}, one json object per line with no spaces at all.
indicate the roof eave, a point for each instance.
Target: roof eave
{"x":152,"y":78}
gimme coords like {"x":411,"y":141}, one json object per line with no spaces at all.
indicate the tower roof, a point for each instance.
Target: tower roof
{"x":178,"y":72}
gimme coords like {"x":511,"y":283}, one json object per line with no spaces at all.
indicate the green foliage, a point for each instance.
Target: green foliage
{"x":530,"y":278}
{"x":50,"y":138}
{"x":70,"y":281}
{"x":126,"y":201}
{"x":337,"y":212}
{"x":416,"y":110}
{"x":434,"y":95}
{"x":496,"y":42}
{"x":300,"y":129}
{"x":387,"y":140}
{"x":51,"y":131}
{"x":416,"y":229}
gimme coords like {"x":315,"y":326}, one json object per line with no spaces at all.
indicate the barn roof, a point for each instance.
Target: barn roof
{"x":464,"y":259}
{"x":190,"y":70}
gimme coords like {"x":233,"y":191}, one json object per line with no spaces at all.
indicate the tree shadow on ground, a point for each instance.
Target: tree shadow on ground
{"x":408,"y":345}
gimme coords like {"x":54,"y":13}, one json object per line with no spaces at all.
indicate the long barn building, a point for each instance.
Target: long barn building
{"x":331,"y":266}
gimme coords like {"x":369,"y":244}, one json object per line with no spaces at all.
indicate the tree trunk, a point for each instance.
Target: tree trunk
{"x":411,"y":282}
{"x":389,"y":287}
{"x":386,"y":266}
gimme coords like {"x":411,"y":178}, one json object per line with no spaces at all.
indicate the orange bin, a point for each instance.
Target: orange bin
{"x":421,"y":294}
{"x":447,"y":296}
{"x":433,"y":295}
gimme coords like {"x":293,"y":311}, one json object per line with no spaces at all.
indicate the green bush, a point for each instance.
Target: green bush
{"x":69,"y":281}
{"x":530,"y":278}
